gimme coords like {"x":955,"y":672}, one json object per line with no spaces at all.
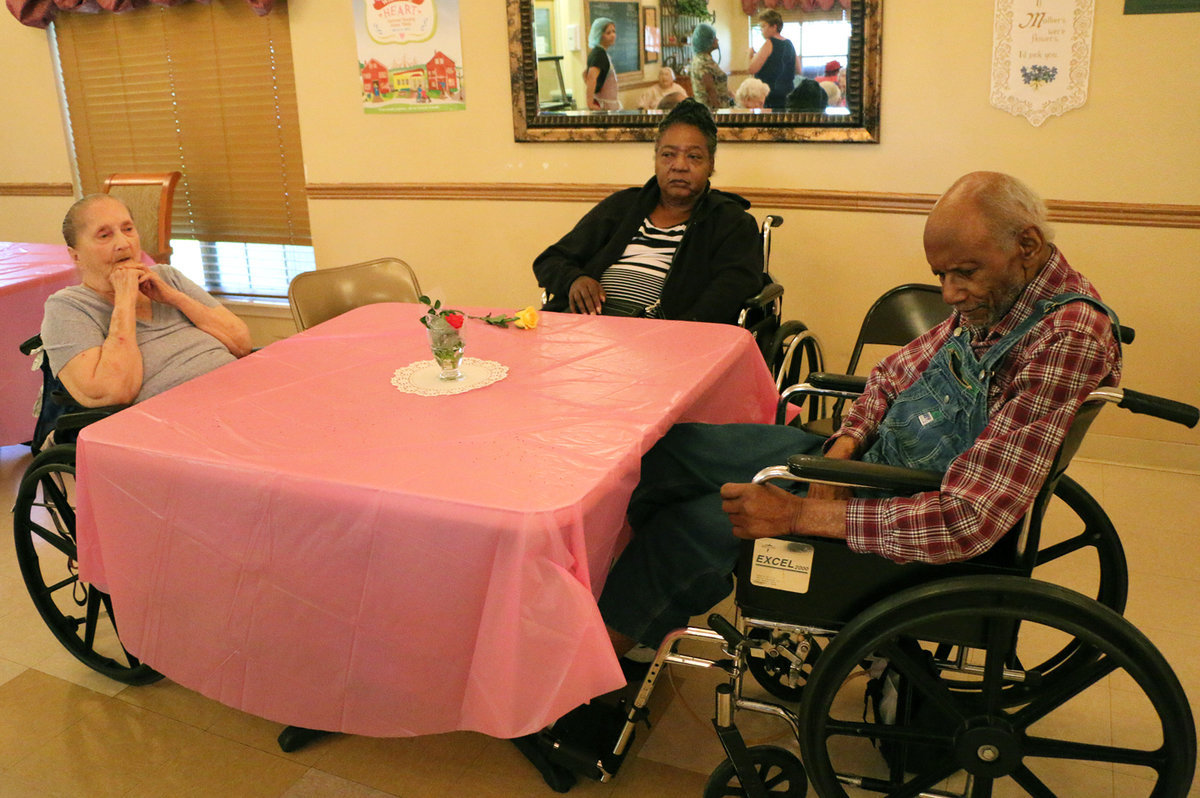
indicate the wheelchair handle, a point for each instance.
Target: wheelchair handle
{"x":725,"y":629}
{"x":1157,"y":406}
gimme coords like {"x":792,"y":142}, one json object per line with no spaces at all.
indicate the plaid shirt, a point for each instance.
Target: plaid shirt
{"x":1033,"y":396}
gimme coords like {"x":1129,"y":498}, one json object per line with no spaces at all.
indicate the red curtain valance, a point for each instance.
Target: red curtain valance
{"x":40,"y":13}
{"x":754,"y":6}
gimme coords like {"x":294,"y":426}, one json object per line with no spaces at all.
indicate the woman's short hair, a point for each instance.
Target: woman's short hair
{"x":70,"y":224}
{"x":703,"y":37}
{"x":691,"y":112}
{"x":771,"y":17}
{"x":751,"y":89}
{"x":597,"y":30}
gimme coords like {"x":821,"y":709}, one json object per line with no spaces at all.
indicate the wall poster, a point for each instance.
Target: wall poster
{"x":409,"y":55}
{"x":1161,"y":6}
{"x":1041,"y":56}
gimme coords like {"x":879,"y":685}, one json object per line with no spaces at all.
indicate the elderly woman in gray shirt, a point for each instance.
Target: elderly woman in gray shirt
{"x":128,"y":330}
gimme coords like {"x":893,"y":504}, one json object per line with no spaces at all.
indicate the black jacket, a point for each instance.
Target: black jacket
{"x":717,"y":266}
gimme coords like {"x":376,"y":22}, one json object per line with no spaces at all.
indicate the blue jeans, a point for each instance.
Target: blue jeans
{"x":680,"y":560}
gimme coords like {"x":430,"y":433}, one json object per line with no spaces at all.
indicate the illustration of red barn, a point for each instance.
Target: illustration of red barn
{"x":443,"y":73}
{"x":374,"y":77}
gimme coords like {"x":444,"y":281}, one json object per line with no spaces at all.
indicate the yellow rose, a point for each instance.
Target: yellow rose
{"x":527,"y":319}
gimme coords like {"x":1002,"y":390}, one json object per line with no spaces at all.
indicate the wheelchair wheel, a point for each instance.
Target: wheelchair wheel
{"x":79,"y":615}
{"x":794,"y":354}
{"x":777,"y":674}
{"x":1097,"y":543}
{"x":780,"y":771}
{"x":1056,"y":743}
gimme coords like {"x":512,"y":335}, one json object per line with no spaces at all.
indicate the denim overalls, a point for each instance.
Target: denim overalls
{"x":938,"y":417}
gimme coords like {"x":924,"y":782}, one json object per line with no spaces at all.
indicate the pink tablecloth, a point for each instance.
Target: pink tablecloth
{"x":293,"y":536}
{"x":28,"y":274}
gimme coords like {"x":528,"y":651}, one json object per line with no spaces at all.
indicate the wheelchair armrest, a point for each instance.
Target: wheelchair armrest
{"x":31,"y":344}
{"x":770,"y":292}
{"x":75,"y":420}
{"x":847,"y":383}
{"x":814,"y":468}
{"x":820,"y":384}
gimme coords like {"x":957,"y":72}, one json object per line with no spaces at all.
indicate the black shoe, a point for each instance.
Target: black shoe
{"x":557,"y":777}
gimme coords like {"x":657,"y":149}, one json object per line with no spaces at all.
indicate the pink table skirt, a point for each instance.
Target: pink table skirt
{"x":29,"y":273}
{"x":293,"y":536}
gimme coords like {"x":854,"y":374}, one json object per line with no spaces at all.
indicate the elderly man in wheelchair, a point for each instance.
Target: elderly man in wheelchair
{"x":941,"y":469}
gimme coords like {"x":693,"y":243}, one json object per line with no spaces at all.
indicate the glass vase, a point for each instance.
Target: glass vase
{"x":447,"y":346}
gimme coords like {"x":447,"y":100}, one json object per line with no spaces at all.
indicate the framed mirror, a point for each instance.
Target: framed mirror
{"x":548,"y":45}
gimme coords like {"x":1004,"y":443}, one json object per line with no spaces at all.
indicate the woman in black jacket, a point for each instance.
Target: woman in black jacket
{"x":674,"y":248}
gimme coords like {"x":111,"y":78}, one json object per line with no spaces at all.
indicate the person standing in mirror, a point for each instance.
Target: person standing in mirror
{"x":600,"y":78}
{"x":776,"y":63}
{"x":710,"y":84}
{"x":675,"y":248}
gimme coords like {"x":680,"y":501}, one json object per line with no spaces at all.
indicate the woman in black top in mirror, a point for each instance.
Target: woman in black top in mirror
{"x":776,"y":64}
{"x":675,"y":248}
{"x":600,"y":78}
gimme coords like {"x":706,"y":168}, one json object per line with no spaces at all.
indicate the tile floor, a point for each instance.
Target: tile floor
{"x":66,"y":731}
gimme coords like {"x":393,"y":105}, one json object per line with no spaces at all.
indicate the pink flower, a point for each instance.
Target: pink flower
{"x":455,"y":320}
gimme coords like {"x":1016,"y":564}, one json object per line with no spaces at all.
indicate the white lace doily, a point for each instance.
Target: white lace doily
{"x":421,"y":377}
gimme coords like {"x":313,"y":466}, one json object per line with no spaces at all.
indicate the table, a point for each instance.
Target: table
{"x":28,"y":274}
{"x":293,"y":536}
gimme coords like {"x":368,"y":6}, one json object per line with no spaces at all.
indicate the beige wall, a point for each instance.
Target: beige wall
{"x":1133,"y":142}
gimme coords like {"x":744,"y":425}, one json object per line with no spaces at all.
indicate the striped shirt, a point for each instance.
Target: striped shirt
{"x":639,"y":274}
{"x":1032,"y":399}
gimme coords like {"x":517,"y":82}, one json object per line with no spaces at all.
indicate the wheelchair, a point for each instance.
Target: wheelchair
{"x":977,"y":670}
{"x":78,"y":614}
{"x":787,"y":346}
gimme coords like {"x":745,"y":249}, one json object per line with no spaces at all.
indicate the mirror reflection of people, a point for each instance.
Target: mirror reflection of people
{"x":676,"y":248}
{"x":710,"y":84}
{"x":808,"y":97}
{"x":129,"y":331}
{"x":752,"y":94}
{"x":665,"y":87}
{"x":670,"y":101}
{"x":834,"y":83}
{"x":600,"y":78}
{"x":776,"y":63}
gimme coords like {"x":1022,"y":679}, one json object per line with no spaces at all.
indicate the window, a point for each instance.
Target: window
{"x":207,"y":90}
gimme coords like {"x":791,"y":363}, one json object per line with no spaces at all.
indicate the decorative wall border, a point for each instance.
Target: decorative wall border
{"x":36,"y":190}
{"x":1073,"y":211}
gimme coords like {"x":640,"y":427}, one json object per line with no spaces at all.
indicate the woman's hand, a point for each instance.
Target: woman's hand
{"x":586,"y":295}
{"x":154,"y":287}
{"x":125,"y":282}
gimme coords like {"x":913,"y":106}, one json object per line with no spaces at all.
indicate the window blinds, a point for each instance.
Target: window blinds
{"x":205,"y":89}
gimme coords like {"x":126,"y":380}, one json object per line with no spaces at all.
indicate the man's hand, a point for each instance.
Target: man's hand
{"x":766,"y":511}
{"x":586,"y":295}
{"x":758,"y":511}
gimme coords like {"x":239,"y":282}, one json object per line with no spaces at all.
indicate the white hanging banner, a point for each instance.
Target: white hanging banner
{"x":1041,"y":56}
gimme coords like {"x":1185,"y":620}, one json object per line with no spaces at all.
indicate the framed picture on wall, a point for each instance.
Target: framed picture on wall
{"x":651,"y":36}
{"x":1161,"y":6}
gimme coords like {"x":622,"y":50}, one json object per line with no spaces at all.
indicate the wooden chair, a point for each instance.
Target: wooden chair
{"x":149,"y":197}
{"x":320,"y":295}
